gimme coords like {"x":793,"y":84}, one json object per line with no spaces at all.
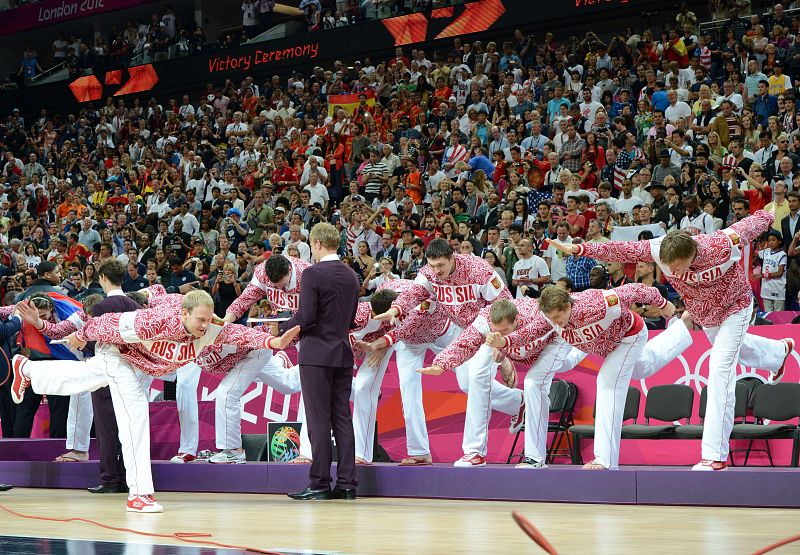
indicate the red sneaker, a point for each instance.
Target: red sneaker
{"x":708,"y":465}
{"x":181,"y":458}
{"x":143,"y":504}
{"x":471,"y":460}
{"x":19,"y":382}
{"x":776,"y":377}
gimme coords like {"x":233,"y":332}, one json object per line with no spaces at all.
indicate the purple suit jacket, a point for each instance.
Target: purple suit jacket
{"x":328,"y":303}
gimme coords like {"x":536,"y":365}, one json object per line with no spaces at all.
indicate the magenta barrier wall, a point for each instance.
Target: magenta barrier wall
{"x":444,"y":405}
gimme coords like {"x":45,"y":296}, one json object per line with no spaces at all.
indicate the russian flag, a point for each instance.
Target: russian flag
{"x":38,"y":344}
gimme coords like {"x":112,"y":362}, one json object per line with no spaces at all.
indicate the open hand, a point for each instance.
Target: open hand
{"x":281,"y":342}
{"x":668,"y":310}
{"x":388,"y":316}
{"x":74,"y":342}
{"x":509,"y":373}
{"x":431,"y":370}
{"x":29,"y":315}
{"x":374,"y":357}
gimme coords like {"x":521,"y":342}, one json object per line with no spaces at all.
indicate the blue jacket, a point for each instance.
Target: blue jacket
{"x":764,"y":107}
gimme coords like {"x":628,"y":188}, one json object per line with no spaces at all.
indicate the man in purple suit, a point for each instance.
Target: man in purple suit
{"x":328,"y":301}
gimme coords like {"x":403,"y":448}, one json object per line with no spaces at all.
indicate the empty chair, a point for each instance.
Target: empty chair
{"x":666,"y":403}
{"x":563,"y":395}
{"x":780,"y":402}
{"x":695,"y":431}
{"x":581,"y":431}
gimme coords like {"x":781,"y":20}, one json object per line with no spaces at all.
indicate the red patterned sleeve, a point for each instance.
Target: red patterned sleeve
{"x":752,"y":227}
{"x":243,"y":336}
{"x":617,"y":251}
{"x":131,"y":327}
{"x":639,"y":293}
{"x":254,"y":292}
{"x":63,"y":328}
{"x":421,"y":290}
{"x":461,"y":350}
{"x":5,"y":311}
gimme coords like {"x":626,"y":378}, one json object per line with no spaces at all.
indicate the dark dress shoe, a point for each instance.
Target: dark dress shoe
{"x":105,"y":489}
{"x":5,"y":487}
{"x":343,"y":493}
{"x":309,"y":494}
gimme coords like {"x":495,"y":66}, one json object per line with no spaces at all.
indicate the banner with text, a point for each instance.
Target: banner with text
{"x":52,"y":12}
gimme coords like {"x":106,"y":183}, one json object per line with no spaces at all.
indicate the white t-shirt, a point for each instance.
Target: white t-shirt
{"x":627,"y":204}
{"x":533,"y":267}
{"x":558,"y":261}
{"x":702,"y":223}
{"x":773,"y":288}
{"x":319,"y":193}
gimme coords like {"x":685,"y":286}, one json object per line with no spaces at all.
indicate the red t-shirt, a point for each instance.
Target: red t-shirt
{"x":758,"y":199}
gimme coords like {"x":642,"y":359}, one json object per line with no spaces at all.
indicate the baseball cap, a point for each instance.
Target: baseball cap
{"x":451,"y":99}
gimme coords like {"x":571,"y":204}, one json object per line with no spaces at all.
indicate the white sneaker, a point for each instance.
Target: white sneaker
{"x":143,"y":504}
{"x":228,"y":456}
{"x":518,"y":420}
{"x":527,"y":462}
{"x":470,"y":460}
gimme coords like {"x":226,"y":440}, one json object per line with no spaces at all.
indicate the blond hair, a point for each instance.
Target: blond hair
{"x":198,"y":297}
{"x":554,"y":299}
{"x":503,"y":310}
{"x":677,"y":245}
{"x":327,"y":235}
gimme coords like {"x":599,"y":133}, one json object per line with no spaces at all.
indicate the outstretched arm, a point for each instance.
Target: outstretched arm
{"x":610,"y":251}
{"x":752,"y":227}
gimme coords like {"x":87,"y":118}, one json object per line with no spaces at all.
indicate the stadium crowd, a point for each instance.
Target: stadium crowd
{"x":495,"y":146}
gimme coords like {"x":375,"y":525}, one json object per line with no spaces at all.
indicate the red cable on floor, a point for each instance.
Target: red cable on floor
{"x":533,"y":533}
{"x":776,"y":545}
{"x":180,"y":536}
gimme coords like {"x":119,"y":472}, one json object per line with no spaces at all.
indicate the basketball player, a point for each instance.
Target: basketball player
{"x":463,"y":285}
{"x":597,"y":322}
{"x":156,"y":342}
{"x":188,"y":377}
{"x":704,"y":270}
{"x":278,"y":280}
{"x":425,"y":328}
{"x":532,"y":333}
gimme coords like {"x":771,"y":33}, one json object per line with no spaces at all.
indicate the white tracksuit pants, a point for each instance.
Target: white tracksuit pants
{"x":366,"y":388}
{"x":654,"y":355}
{"x":66,"y":377}
{"x":258,"y":365}
{"x":484,"y":394}
{"x":79,"y":421}
{"x":731,"y":344}
{"x":557,"y":357}
{"x":188,"y":378}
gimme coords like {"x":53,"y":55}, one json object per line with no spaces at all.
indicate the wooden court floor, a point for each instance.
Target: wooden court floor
{"x":407,"y":526}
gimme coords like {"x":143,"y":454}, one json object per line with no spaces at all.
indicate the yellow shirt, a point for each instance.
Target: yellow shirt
{"x":781,"y":211}
{"x":778,"y":84}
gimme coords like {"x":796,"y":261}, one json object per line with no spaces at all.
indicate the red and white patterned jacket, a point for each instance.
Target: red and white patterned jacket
{"x":471,"y":286}
{"x":259,"y":287}
{"x":715,"y":287}
{"x":76,"y":320}
{"x":155,"y":340}
{"x":600,"y":319}
{"x":524,"y":345}
{"x":423,"y":324}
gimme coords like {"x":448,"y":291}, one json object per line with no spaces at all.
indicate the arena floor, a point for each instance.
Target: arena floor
{"x":379,"y":526}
